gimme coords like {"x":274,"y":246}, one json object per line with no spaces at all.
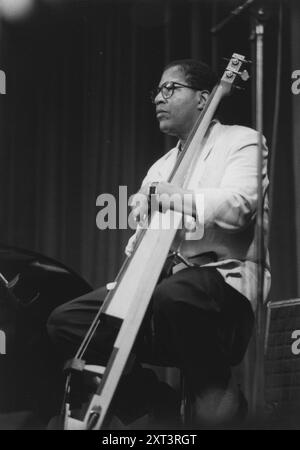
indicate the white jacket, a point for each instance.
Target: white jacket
{"x":225,"y":179}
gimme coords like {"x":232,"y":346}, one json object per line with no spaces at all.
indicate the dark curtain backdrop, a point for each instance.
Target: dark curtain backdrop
{"x":77,"y":121}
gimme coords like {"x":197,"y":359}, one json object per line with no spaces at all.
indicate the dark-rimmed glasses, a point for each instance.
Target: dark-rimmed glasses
{"x":167,"y":89}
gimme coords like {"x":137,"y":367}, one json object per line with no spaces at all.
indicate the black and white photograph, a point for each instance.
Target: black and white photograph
{"x":149,"y":217}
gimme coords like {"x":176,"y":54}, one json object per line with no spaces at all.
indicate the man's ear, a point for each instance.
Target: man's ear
{"x":203,"y":96}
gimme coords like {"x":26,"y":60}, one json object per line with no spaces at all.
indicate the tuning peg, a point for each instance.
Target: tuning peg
{"x":246,"y":61}
{"x":234,"y":61}
{"x":244,"y":75}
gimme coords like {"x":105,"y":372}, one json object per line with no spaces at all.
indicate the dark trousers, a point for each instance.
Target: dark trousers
{"x":195,"y":321}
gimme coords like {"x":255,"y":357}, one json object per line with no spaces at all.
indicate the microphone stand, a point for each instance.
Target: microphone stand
{"x":258,"y":403}
{"x":258,"y":400}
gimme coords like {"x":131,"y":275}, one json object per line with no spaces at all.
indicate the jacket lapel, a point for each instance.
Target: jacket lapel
{"x":210,"y":142}
{"x":170,"y":159}
{"x":208,"y":146}
{"x":168,"y":164}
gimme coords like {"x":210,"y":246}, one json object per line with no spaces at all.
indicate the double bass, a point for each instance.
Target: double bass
{"x":127,"y":302}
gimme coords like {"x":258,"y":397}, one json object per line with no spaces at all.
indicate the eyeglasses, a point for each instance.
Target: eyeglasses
{"x":167,"y":89}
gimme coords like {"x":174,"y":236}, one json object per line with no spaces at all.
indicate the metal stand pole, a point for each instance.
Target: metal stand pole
{"x":258,"y":388}
{"x":257,"y":404}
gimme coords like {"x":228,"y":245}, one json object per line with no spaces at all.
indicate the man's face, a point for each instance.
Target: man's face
{"x":177,"y":114}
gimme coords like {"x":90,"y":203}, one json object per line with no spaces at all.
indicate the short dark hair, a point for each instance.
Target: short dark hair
{"x":197,"y":73}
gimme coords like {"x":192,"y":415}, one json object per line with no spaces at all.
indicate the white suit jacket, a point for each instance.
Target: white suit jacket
{"x":225,"y":176}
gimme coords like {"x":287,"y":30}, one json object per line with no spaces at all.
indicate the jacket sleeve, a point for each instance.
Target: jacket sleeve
{"x":233,"y":203}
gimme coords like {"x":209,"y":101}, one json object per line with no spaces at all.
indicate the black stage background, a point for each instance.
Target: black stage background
{"x":76,"y":120}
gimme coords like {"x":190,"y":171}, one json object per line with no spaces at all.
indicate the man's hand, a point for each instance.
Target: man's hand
{"x":130,"y":245}
{"x":164,"y":193}
{"x":139,"y":204}
{"x":168,"y":196}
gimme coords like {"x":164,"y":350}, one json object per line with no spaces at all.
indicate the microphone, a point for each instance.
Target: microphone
{"x":234,"y":13}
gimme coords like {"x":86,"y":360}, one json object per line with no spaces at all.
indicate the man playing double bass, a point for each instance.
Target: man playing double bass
{"x":200,"y":316}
